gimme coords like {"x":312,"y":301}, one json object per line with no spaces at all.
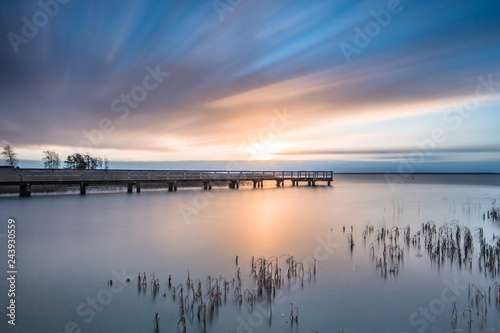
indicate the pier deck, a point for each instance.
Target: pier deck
{"x":25,"y":178}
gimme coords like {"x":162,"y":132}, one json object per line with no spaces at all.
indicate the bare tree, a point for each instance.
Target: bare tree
{"x":51,"y":160}
{"x":10,"y":156}
{"x":81,"y":162}
{"x":75,"y":161}
{"x":106,"y":163}
{"x":92,"y":162}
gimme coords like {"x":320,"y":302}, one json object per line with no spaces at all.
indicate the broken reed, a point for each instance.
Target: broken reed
{"x":199,"y":300}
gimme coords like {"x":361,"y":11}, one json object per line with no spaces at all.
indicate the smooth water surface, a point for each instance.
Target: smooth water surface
{"x":68,"y":247}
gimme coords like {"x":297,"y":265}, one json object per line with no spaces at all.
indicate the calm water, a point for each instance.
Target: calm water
{"x":68,"y":247}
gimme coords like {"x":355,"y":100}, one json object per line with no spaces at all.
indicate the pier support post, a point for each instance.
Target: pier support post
{"x":175,"y":186}
{"x":138,"y":187}
{"x":254,"y":184}
{"x":170,"y":187}
{"x":129,"y":187}
{"x":83,"y":188}
{"x":309,"y":183}
{"x":25,"y":190}
{"x":328,"y":183}
{"x":313,"y":183}
{"x":207,"y":186}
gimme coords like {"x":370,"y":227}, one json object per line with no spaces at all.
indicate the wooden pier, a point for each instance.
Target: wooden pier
{"x":25,"y":178}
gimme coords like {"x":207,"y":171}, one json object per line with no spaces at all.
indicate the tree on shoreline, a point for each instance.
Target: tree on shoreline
{"x":10,"y":157}
{"x":51,"y":160}
{"x":81,"y":162}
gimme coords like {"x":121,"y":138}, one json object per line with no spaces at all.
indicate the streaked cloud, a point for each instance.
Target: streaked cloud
{"x":227,"y":77}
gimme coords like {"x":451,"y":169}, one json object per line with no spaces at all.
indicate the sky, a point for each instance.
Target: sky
{"x":369,"y":86}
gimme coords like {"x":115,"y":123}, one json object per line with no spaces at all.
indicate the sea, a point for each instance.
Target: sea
{"x":358,"y":256}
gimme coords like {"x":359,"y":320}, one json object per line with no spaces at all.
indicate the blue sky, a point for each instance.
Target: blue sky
{"x":365,"y":85}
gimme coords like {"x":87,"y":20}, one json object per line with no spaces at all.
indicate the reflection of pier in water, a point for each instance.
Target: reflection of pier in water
{"x":25,"y":178}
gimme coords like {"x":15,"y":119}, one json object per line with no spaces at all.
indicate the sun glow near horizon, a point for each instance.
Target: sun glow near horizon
{"x":275,"y":86}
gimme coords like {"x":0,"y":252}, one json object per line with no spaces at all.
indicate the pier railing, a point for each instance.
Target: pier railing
{"x":15,"y":176}
{"x":25,"y":178}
